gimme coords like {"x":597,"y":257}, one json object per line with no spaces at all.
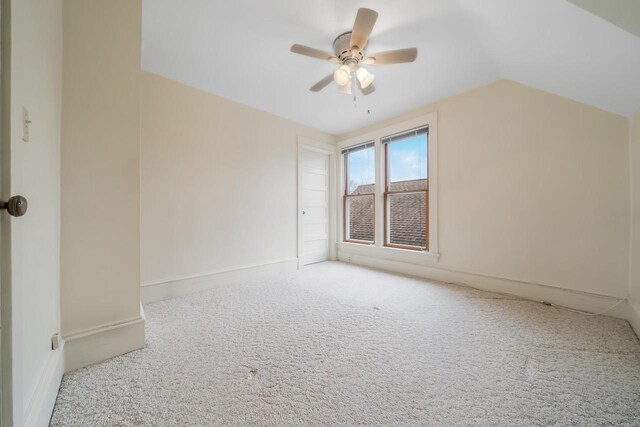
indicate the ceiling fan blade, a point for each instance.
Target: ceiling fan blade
{"x":322,"y":83}
{"x":367,"y":90}
{"x":395,"y":56}
{"x":314,"y":53}
{"x":365,"y":20}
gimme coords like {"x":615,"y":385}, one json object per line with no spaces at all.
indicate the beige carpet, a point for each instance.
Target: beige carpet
{"x":336,"y":344}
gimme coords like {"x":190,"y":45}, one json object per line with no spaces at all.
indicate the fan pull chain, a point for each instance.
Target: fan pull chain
{"x":353,"y":89}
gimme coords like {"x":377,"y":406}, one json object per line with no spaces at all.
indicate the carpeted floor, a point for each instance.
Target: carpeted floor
{"x":336,"y":344}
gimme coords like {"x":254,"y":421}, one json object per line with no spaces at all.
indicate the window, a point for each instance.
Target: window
{"x":406,"y":192}
{"x":359,"y":194}
{"x":389,"y":185}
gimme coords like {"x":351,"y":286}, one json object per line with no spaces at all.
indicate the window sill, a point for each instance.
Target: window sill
{"x":393,"y":254}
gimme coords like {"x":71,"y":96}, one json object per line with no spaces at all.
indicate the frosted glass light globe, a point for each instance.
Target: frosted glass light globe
{"x":364,"y":77}
{"x":342,"y":75}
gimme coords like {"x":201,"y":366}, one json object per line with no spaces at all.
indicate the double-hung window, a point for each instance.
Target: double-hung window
{"x":359,"y":193}
{"x":389,"y":199}
{"x":406,"y":190}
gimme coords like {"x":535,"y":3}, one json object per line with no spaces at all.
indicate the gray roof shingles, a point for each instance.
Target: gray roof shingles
{"x":408,"y":214}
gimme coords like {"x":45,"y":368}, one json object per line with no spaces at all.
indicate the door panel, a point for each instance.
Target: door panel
{"x":315,"y":207}
{"x":32,"y":83}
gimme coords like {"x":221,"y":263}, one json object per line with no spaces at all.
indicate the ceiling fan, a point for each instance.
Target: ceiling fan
{"x":350,"y":53}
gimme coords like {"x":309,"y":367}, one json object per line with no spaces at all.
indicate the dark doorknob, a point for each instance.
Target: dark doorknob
{"x":16,"y":206}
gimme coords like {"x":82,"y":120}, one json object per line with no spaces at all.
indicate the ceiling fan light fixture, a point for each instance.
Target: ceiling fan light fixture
{"x":349,"y":50}
{"x":346,"y":88}
{"x":342,"y":75}
{"x":364,"y":77}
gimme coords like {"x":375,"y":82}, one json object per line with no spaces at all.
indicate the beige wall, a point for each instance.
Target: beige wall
{"x":100,"y":165}
{"x":634,"y":155}
{"x":532,"y":187}
{"x":33,"y":77}
{"x":218,"y":183}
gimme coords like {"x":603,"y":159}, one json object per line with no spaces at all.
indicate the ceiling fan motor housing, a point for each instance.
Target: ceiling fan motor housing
{"x":344,"y":52}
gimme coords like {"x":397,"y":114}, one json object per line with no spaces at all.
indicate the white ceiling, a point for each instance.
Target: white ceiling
{"x":239,"y":49}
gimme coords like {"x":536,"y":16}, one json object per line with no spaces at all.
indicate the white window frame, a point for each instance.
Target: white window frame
{"x":377,"y":249}
{"x":345,"y":195}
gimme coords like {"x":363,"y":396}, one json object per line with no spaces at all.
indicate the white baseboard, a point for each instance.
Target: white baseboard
{"x":171,"y":288}
{"x":94,"y":345}
{"x":577,"y":300}
{"x":40,"y":406}
{"x":633,"y":316}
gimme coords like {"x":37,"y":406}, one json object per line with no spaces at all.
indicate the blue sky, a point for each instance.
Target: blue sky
{"x":408,"y":161}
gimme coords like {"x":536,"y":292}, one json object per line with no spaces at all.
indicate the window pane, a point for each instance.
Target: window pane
{"x":359,"y":214}
{"x":407,"y":219}
{"x":362,"y":171}
{"x":408,"y":164}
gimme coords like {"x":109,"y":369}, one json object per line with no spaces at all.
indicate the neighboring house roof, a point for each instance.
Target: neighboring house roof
{"x":361,"y":216}
{"x":408,"y":214}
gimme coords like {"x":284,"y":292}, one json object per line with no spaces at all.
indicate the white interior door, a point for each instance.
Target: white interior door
{"x":315,"y":206}
{"x":32,"y":354}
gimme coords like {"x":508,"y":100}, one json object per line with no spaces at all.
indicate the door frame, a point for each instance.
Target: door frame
{"x":310,"y":144}
{"x":6,"y":341}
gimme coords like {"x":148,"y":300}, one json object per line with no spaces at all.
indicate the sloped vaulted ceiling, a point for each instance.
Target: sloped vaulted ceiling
{"x":240,"y":50}
{"x":623,"y":13}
